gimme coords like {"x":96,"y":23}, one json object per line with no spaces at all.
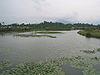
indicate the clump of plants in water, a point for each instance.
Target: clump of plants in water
{"x":35,"y":69}
{"x":98,"y":49}
{"x":91,"y":51}
{"x":4,"y":63}
{"x":30,"y":35}
{"x":53,"y":66}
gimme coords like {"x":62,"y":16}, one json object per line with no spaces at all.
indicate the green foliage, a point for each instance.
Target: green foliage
{"x":52,"y":66}
{"x":98,"y":49}
{"x":47,"y":26}
{"x":93,"y":33}
{"x":0,"y":24}
{"x":30,"y":35}
{"x":34,"y":69}
{"x":89,"y":51}
{"x":88,"y":34}
{"x":4,"y":64}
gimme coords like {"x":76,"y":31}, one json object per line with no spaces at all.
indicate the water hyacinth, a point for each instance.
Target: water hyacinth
{"x":98,"y":49}
{"x":4,"y":63}
{"x":89,"y":51}
{"x":34,"y":69}
{"x":53,"y":66}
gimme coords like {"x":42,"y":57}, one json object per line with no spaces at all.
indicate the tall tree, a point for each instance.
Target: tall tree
{"x":0,"y":24}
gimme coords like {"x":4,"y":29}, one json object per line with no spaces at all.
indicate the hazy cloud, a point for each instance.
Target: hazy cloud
{"x":53,"y":10}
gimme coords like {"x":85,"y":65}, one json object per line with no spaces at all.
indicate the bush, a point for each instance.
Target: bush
{"x":88,"y":34}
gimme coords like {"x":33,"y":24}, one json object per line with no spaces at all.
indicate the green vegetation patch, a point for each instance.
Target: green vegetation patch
{"x":34,"y":69}
{"x":88,"y":51}
{"x":53,"y":66}
{"x":98,"y":49}
{"x":4,"y":63}
{"x":30,"y":35}
{"x":1,"y":53}
{"x":91,"y":51}
{"x":92,"y":33}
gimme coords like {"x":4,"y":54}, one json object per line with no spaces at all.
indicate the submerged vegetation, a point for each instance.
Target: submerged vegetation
{"x":98,"y":49}
{"x":91,"y":51}
{"x":4,"y":63}
{"x":53,"y":66}
{"x":30,"y":35}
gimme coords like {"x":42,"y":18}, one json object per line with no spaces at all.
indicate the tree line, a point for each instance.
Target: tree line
{"x":47,"y":26}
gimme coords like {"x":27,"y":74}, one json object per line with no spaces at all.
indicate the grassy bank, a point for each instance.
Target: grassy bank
{"x":92,"y":33}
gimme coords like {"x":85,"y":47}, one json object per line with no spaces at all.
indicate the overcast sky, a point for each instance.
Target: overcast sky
{"x":35,"y":11}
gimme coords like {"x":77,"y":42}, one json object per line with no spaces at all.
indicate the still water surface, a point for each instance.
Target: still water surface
{"x":23,"y":49}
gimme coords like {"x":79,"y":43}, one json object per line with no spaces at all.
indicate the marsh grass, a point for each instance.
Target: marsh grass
{"x":30,"y":35}
{"x":93,"y":33}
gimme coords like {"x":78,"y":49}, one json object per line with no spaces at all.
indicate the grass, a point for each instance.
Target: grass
{"x":30,"y":35}
{"x":2,"y":33}
{"x":92,"y":33}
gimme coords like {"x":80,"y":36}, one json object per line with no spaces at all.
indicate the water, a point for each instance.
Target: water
{"x":70,"y":70}
{"x":23,"y":49}
{"x":18,"y":49}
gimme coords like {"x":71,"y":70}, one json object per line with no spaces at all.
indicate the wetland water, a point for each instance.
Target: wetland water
{"x":19,"y":49}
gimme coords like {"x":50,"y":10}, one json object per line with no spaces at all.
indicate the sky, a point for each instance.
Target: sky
{"x":36,"y":11}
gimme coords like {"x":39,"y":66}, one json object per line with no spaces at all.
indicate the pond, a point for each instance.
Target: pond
{"x":19,"y":49}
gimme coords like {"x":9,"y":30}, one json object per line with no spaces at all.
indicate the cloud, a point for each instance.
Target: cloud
{"x":55,"y":10}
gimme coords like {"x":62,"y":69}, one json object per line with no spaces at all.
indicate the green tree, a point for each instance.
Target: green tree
{"x":0,"y":24}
